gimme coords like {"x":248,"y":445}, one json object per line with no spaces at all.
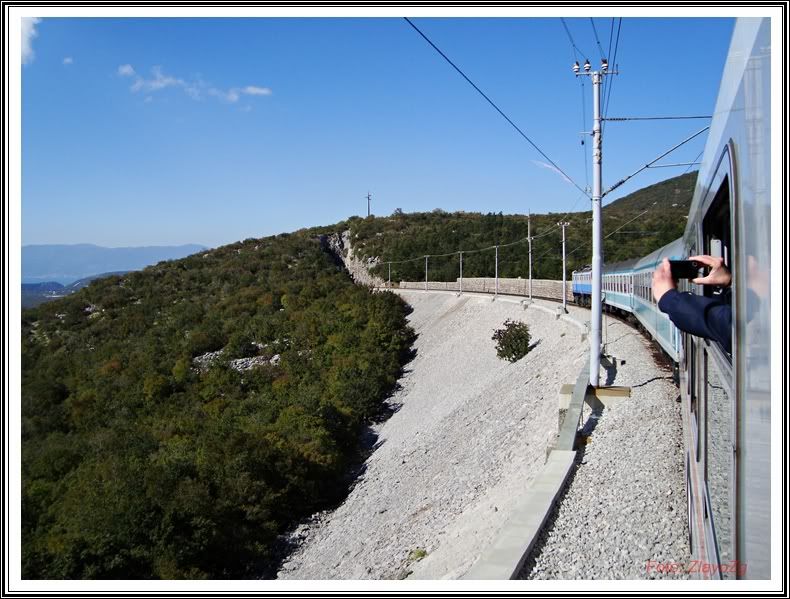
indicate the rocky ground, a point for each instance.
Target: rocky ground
{"x":624,"y":510}
{"x":358,"y":269}
{"x":468,"y":434}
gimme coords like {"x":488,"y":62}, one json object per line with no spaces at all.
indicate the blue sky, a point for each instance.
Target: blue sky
{"x":206,"y":130}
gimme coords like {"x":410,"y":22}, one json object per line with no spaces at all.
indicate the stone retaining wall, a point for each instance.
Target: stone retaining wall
{"x":540,"y":287}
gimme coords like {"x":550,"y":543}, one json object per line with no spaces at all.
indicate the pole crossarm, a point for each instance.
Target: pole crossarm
{"x":654,"y":118}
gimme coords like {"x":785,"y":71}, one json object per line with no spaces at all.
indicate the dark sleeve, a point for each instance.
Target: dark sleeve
{"x":709,"y":317}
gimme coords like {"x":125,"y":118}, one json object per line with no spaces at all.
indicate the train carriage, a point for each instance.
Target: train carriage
{"x":725,"y":394}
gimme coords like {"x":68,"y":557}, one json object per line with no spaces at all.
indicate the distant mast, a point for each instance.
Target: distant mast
{"x":369,"y":203}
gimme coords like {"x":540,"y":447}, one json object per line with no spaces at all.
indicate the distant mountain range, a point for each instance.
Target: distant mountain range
{"x":34,"y":294}
{"x":65,"y":264}
{"x":53,"y":271}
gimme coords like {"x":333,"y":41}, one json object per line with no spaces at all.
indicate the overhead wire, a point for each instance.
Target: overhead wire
{"x":584,"y":132}
{"x":613,"y":62}
{"x":549,"y":231}
{"x":611,"y":31}
{"x":575,"y":49}
{"x":570,"y":38}
{"x":575,"y":56}
{"x":474,"y":251}
{"x":636,"y":172}
{"x":600,"y":50}
{"x":597,"y":41}
{"x":491,"y":102}
{"x":587,"y":243}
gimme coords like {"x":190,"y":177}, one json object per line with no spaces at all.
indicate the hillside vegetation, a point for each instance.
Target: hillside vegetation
{"x":647,"y":219}
{"x":138,"y":464}
{"x":175,"y":420}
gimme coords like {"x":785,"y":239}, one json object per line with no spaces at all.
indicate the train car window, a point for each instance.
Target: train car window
{"x":652,"y":299}
{"x":717,"y":229}
{"x":691,"y":368}
{"x":717,"y":239}
{"x":690,"y":503}
{"x":719,"y":458}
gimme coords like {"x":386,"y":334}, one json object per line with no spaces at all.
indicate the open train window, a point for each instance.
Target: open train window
{"x":717,"y":240}
{"x":717,"y":229}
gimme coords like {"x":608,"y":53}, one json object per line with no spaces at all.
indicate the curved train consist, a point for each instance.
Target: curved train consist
{"x":725,"y":396}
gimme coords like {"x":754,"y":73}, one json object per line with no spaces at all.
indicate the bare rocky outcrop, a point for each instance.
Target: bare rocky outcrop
{"x":359,"y":269}
{"x":204,"y":362}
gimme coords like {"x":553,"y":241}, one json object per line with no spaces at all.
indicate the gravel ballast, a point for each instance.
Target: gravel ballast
{"x":623,"y":514}
{"x":470,"y":432}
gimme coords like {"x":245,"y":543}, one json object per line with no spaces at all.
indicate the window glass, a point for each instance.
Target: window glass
{"x":717,"y":238}
{"x":691,"y":366}
{"x":719,"y":463}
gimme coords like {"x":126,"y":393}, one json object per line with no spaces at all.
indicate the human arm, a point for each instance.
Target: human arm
{"x":709,"y":317}
{"x":662,"y":280}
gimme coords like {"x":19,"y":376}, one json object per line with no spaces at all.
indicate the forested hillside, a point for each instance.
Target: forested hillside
{"x":141,"y":462}
{"x":635,"y":225}
{"x":175,"y":420}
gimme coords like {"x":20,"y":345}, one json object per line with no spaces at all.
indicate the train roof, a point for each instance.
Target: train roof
{"x":674,"y":249}
{"x":625,"y":265}
{"x":622,"y":265}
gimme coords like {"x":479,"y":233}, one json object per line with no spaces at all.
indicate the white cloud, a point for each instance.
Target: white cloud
{"x":126,"y":70}
{"x":254,"y":90}
{"x":234,"y":93}
{"x":228,"y":96}
{"x":28,"y":33}
{"x":159,"y":81}
{"x":195,"y":89}
{"x":552,"y":168}
{"x":68,"y":60}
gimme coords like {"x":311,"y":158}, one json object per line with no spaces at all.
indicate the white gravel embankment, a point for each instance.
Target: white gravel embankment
{"x":471,"y":433}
